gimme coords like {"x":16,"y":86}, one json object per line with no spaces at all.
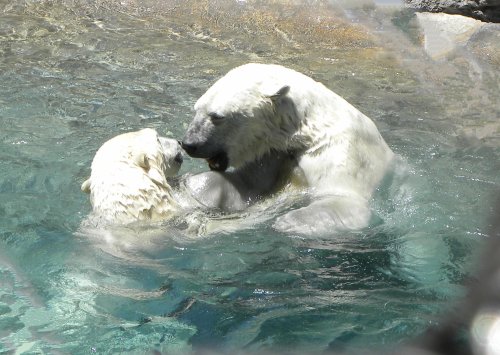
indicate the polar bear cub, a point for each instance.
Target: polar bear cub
{"x":128,"y":179}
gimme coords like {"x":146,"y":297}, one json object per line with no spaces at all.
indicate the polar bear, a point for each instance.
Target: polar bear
{"x":128,"y":179}
{"x":129,"y":183}
{"x":259,"y":108}
{"x":236,"y":190}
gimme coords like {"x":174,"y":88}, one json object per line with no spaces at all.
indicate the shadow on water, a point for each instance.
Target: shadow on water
{"x":75,"y":73}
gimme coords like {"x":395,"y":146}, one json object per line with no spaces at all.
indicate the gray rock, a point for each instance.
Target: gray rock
{"x":443,"y":33}
{"x":484,"y":10}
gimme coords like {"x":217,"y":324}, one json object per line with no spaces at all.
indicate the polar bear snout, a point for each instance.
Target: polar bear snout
{"x":217,"y":160}
{"x":190,"y":148}
{"x":172,"y":154}
{"x":179,"y":158}
{"x":204,"y":149}
{"x":199,"y":148}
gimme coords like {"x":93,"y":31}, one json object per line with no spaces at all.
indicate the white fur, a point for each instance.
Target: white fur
{"x":129,"y":183}
{"x":129,"y":174}
{"x":339,"y":149}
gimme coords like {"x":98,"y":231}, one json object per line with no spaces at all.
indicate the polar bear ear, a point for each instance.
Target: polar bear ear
{"x":142,"y":161}
{"x":153,"y":173}
{"x":86,"y":186}
{"x":279,"y":93}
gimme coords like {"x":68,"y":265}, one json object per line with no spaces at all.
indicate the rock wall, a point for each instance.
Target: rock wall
{"x":484,"y":10}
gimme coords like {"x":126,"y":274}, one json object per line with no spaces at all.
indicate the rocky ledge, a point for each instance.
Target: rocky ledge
{"x":484,"y":10}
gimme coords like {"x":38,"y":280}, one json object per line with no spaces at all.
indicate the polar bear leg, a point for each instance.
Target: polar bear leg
{"x":327,"y":215}
{"x":217,"y":190}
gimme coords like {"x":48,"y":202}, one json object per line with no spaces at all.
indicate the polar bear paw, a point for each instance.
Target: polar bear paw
{"x":328,"y":215}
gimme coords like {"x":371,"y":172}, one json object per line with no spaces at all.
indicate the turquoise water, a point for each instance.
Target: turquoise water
{"x":75,"y":74}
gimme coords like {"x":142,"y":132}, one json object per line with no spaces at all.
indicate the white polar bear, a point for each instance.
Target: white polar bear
{"x":128,"y":180}
{"x":257,"y":108}
{"x":129,"y":174}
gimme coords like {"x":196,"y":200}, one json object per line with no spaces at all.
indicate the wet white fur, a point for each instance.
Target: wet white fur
{"x":339,"y":149}
{"x":128,"y":181}
{"x":129,"y":174}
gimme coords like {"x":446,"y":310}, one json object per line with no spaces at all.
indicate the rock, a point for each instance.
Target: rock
{"x":484,"y":10}
{"x":443,"y":32}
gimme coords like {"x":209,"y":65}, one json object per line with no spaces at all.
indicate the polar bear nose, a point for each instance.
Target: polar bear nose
{"x":178,"y":158}
{"x":189,"y":148}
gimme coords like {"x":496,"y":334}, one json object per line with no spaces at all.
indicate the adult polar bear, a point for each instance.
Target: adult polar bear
{"x":259,"y":108}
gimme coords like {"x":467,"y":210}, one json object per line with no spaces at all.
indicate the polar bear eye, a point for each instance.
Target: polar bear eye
{"x":215,"y":117}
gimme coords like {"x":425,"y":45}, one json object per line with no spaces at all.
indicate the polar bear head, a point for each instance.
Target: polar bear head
{"x":243,"y":116}
{"x":129,"y":173}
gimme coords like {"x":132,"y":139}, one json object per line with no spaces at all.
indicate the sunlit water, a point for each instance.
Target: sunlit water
{"x":73,"y":76}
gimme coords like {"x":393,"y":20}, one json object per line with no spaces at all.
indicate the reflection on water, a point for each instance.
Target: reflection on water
{"x":75,"y":73}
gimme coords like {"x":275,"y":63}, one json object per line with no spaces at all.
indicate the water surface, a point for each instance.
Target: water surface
{"x":75,"y":74}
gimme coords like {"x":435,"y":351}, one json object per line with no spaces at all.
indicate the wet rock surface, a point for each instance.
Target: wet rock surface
{"x":484,"y":10}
